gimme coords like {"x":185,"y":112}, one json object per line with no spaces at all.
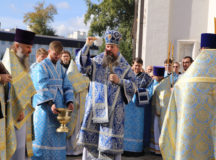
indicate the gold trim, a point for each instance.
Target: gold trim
{"x":19,"y":124}
{"x":29,"y":138}
{"x":198,"y":79}
{"x":10,"y":132}
{"x":77,"y":84}
{"x":30,"y":153}
{"x":13,"y":102}
{"x":2,"y":146}
{"x":154,"y":150}
{"x":19,"y":77}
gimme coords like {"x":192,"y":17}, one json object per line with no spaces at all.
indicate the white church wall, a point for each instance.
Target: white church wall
{"x":189,"y":20}
{"x":178,"y":21}
{"x":156,"y":32}
{"x":211,"y":16}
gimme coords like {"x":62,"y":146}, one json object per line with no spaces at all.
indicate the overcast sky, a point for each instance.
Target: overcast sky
{"x":69,"y":18}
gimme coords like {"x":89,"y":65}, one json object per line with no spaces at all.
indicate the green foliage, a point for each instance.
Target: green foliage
{"x":39,"y":19}
{"x":102,"y":47}
{"x":112,"y":14}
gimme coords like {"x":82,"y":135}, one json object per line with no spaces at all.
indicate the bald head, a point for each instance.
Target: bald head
{"x":149,"y":69}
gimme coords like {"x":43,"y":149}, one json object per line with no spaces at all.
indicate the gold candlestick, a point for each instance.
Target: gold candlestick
{"x":172,"y":58}
{"x":172,"y":52}
{"x":215,"y":24}
{"x":168,"y":57}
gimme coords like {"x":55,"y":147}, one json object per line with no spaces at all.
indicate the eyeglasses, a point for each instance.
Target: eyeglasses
{"x":175,"y":66}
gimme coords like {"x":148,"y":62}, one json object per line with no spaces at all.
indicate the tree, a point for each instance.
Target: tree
{"x":113,"y":14}
{"x":39,"y":19}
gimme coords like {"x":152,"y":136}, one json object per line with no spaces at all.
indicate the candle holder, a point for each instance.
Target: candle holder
{"x":63,"y":118}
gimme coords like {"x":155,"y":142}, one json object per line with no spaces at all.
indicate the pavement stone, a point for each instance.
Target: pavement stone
{"x":147,"y":156}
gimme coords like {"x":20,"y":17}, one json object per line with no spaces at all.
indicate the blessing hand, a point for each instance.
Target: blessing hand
{"x":90,"y":40}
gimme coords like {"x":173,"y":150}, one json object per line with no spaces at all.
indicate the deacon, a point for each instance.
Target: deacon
{"x":21,"y":89}
{"x":111,"y":87}
{"x":54,"y":90}
{"x":189,"y":129}
{"x":134,"y":135}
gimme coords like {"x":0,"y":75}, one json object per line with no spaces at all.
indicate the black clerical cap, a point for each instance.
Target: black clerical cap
{"x":158,"y":71}
{"x":23,"y":36}
{"x":208,"y":40}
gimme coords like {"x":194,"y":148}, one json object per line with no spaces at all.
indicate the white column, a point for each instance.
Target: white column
{"x":156,"y":31}
{"x":139,"y":28}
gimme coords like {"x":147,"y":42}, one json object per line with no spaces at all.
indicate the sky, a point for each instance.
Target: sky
{"x":70,"y":16}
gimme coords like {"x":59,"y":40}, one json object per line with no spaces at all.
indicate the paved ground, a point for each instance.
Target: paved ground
{"x":147,"y":156}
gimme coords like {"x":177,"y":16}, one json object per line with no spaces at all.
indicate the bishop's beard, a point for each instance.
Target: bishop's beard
{"x":109,"y":59}
{"x":24,"y":60}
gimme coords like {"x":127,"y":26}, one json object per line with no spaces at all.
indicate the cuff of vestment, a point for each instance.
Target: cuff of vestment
{"x":120,"y":82}
{"x":85,"y":50}
{"x":50,"y":103}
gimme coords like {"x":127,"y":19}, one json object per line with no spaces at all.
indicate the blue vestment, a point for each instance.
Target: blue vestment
{"x":151,"y":88}
{"x":134,"y":137}
{"x":103,"y":124}
{"x":33,"y":65}
{"x":52,"y":84}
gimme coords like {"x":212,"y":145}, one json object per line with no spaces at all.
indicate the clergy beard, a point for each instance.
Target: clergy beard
{"x":109,"y":59}
{"x":23,"y":59}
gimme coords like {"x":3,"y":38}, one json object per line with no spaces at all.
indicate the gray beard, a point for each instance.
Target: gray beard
{"x":109,"y":60}
{"x":24,"y":60}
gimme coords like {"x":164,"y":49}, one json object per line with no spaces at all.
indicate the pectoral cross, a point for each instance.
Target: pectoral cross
{"x":111,"y":68}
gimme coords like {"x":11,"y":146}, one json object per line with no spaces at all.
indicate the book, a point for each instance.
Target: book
{"x":3,"y":70}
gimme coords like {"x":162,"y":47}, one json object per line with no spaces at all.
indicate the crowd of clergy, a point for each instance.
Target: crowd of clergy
{"x":117,"y":108}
